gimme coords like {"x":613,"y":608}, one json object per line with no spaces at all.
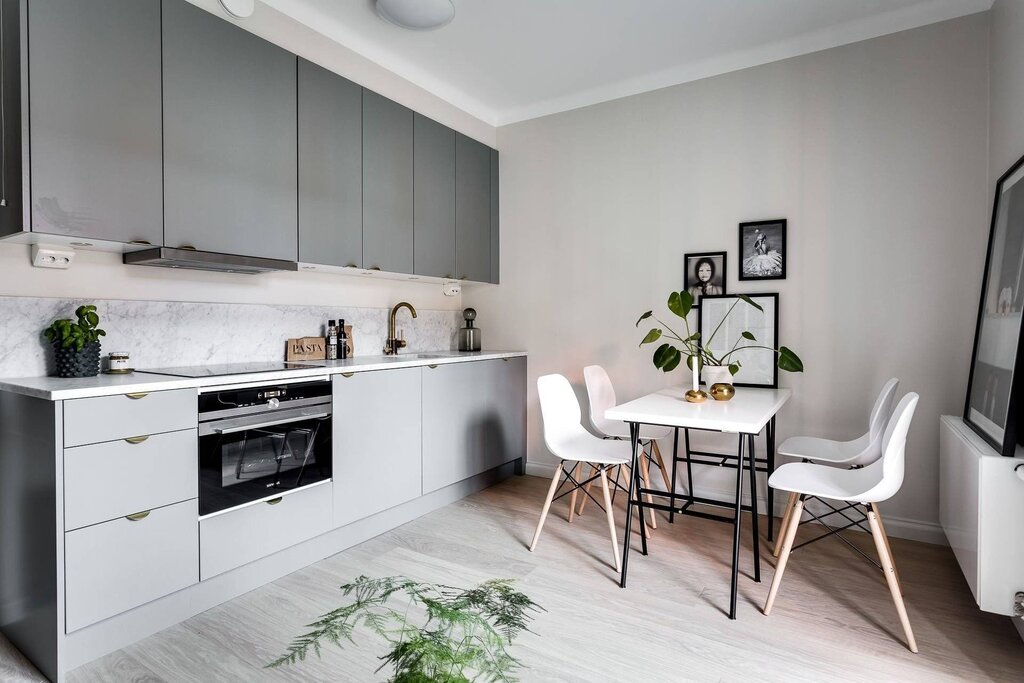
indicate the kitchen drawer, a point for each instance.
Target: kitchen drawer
{"x":108,"y":418}
{"x":234,"y":538}
{"x":115,"y":566}
{"x":107,"y":480}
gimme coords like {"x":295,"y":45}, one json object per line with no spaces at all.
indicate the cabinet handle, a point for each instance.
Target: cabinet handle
{"x":146,"y":242}
{"x":136,"y":439}
{"x":505,"y":359}
{"x":275,"y":501}
{"x":136,"y":397}
{"x":374,"y":267}
{"x":189,"y":247}
{"x":448,"y":276}
{"x":351,"y":265}
{"x":463,"y":277}
{"x":138,"y":516}
{"x":432,"y":367}
{"x":347,"y":374}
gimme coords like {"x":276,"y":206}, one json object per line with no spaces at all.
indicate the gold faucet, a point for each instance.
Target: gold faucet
{"x":394,"y":343}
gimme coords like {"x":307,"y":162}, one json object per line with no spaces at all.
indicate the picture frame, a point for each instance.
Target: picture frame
{"x":762,"y":249}
{"x":994,"y":386}
{"x":760,"y":367}
{"x":696,"y":265}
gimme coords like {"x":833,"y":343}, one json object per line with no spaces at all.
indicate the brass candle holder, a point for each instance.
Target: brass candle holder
{"x":697,"y":396}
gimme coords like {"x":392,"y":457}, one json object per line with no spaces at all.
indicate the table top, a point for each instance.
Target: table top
{"x":746,"y":413}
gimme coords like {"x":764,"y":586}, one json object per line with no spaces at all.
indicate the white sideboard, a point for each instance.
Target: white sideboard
{"x":981,"y":500}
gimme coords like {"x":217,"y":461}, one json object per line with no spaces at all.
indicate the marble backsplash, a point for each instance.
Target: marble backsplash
{"x":172,"y":333}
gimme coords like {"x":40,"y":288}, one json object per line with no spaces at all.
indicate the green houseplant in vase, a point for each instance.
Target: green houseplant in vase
{"x":717,"y":369}
{"x":76,"y":344}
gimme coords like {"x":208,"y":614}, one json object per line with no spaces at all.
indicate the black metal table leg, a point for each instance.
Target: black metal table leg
{"x":753,"y":508}
{"x":689,"y":466}
{"x":736,"y":530}
{"x":634,"y":437}
{"x":672,"y":486}
{"x":640,"y":502}
{"x":770,"y":438}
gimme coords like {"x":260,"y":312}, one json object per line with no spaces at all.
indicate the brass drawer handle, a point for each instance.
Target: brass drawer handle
{"x":136,"y":439}
{"x":136,"y":397}
{"x":138,"y":516}
{"x":347,"y":374}
{"x":275,"y":501}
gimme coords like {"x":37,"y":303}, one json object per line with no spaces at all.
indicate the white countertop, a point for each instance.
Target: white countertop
{"x":747,"y":412}
{"x":58,"y":389}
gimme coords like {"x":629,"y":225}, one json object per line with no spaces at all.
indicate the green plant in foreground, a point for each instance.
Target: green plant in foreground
{"x":66,"y":333}
{"x":667,"y":356}
{"x":463,"y":636}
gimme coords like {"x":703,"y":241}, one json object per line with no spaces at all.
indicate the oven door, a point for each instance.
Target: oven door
{"x":250,"y":458}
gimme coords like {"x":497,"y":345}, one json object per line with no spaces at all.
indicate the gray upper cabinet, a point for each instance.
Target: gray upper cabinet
{"x":330,"y":168}
{"x":387,"y":184}
{"x":495,"y":222}
{"x":472,"y":210}
{"x":95,"y":119}
{"x":434,"y":202}
{"x":230,"y":150}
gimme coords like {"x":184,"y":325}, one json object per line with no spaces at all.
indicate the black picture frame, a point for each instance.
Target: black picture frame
{"x":993,"y":389}
{"x":762,"y":299}
{"x":720,"y":279}
{"x":766,"y":265}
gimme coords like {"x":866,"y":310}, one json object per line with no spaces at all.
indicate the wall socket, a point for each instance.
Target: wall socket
{"x":451,"y":288}
{"x":46,"y":256}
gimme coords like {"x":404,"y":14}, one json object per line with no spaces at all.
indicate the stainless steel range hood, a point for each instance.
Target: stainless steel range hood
{"x":191,"y":259}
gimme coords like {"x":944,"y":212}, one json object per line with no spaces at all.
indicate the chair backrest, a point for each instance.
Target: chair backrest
{"x":560,"y":411}
{"x":877,"y":421}
{"x":601,"y":395}
{"x":892,"y":465}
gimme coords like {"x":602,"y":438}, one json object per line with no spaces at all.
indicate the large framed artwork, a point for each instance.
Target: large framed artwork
{"x":993,"y":387}
{"x":763,"y":250}
{"x":720,"y":330}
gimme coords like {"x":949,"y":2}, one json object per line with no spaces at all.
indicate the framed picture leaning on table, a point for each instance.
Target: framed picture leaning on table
{"x":758,"y":367}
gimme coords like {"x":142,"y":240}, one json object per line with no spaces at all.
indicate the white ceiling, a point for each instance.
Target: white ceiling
{"x":509,"y":60}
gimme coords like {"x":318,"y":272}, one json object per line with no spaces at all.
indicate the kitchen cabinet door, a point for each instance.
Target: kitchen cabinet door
{"x":387,"y":184}
{"x":495,"y":223}
{"x":95,"y":119}
{"x":472,"y":210}
{"x":434,"y":199}
{"x":330,"y":168}
{"x":377,"y":449}
{"x":474,"y":419}
{"x":230,"y":159}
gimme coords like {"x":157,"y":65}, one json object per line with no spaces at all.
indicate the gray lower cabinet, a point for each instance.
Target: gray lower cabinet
{"x":95,"y":116}
{"x":230,"y":149}
{"x":434,"y":201}
{"x":330,"y":168}
{"x":472,"y":209}
{"x":474,"y":419}
{"x":377,"y":431}
{"x":387,"y":184}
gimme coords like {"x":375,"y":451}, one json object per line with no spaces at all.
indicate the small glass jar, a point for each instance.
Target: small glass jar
{"x":119,"y":361}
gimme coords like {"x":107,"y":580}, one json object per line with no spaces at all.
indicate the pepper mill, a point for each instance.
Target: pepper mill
{"x":469,"y":336}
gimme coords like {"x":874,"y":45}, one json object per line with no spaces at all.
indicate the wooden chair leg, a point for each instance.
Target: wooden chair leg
{"x":881,"y":545}
{"x":787,"y":546}
{"x":669,"y":484}
{"x":576,"y":469}
{"x":547,"y":505}
{"x":888,"y":549}
{"x":782,"y":527}
{"x":645,"y":476}
{"x":611,"y":518}
{"x":583,"y":503}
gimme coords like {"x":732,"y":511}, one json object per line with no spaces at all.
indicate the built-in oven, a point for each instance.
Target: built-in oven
{"x":258,"y":442}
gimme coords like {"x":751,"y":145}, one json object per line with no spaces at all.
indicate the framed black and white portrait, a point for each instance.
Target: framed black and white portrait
{"x":995,"y":392}
{"x":763,"y":250}
{"x":722,"y":322}
{"x":704,"y":274}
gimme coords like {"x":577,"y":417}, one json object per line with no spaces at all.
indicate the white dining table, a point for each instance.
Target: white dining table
{"x":751,"y":411}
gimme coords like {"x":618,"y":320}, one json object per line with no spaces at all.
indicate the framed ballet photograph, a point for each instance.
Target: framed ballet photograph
{"x":704,"y":273}
{"x":763,"y":250}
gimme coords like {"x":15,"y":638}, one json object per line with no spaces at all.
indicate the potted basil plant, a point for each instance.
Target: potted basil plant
{"x":716,"y":368}
{"x":76,"y":344}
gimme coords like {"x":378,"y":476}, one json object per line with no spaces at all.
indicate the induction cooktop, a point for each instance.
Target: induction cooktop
{"x":231,"y":369}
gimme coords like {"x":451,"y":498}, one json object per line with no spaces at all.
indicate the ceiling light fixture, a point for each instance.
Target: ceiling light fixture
{"x":239,"y":9}
{"x":416,"y":15}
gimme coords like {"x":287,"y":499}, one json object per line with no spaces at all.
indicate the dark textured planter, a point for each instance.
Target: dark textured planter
{"x":74,"y":363}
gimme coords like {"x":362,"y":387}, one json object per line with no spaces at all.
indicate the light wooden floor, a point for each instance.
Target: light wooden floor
{"x":833,"y":620}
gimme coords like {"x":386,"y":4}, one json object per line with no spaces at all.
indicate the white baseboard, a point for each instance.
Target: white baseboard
{"x":912,"y":529}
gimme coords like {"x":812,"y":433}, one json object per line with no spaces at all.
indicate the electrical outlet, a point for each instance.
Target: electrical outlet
{"x":44,"y":256}
{"x":451,"y":288}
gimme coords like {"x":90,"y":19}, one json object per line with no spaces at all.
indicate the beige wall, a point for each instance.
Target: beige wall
{"x":1006,"y":132}
{"x":875,"y":152}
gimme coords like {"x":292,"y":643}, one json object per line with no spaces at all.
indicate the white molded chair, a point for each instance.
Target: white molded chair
{"x":859,"y":452}
{"x":566,"y":438}
{"x":601,"y":395}
{"x":866,"y":486}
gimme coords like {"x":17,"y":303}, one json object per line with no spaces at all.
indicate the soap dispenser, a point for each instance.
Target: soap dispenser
{"x":469,"y":336}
